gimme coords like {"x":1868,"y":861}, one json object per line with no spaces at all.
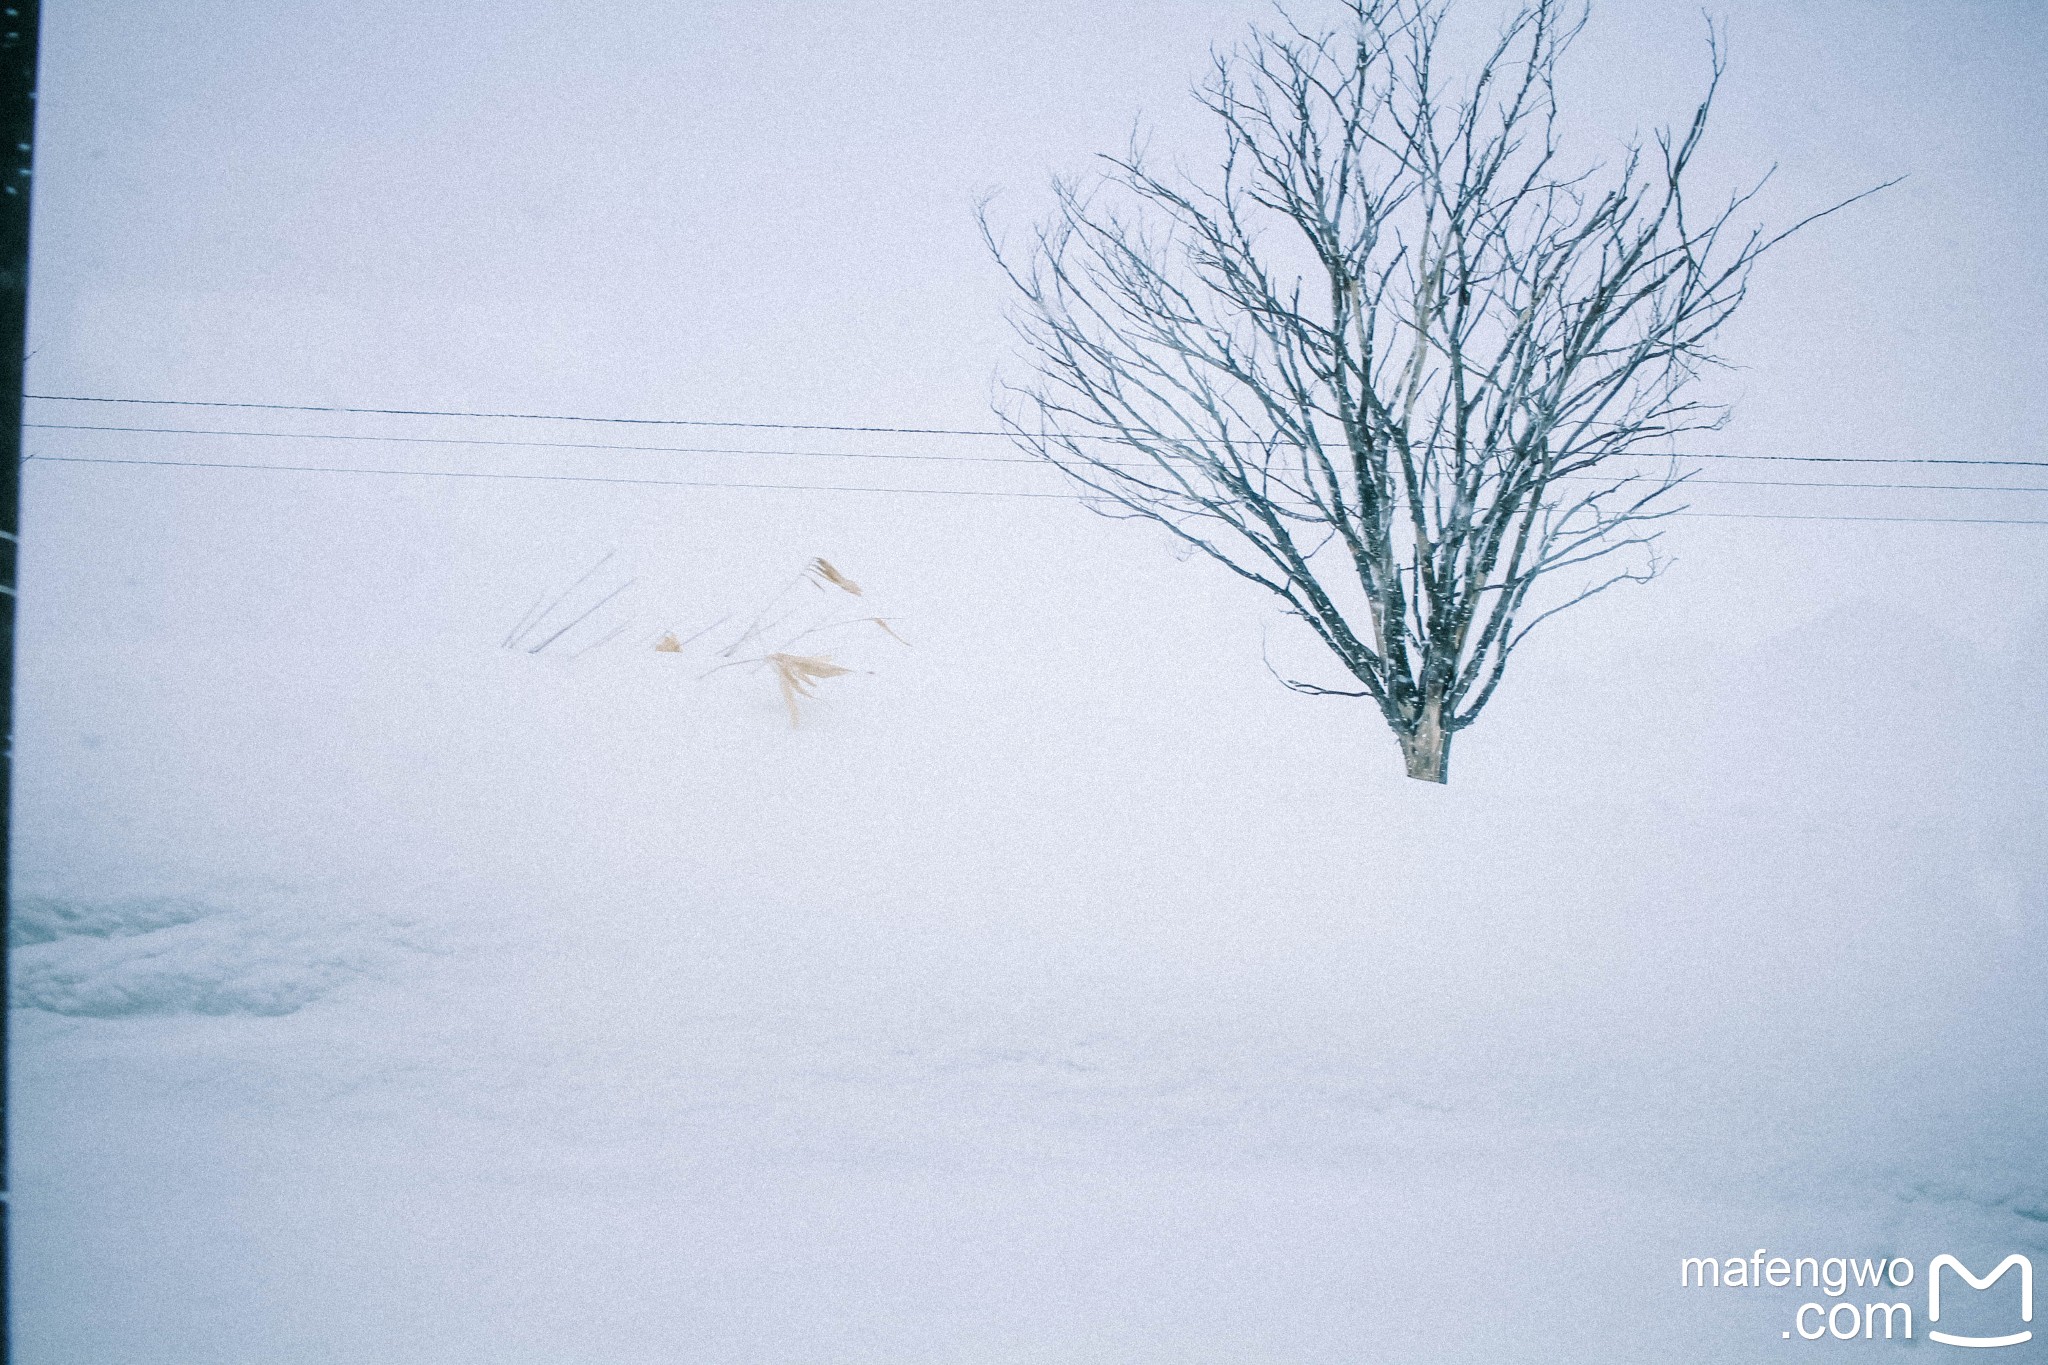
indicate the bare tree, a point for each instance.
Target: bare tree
{"x":1394,"y":361}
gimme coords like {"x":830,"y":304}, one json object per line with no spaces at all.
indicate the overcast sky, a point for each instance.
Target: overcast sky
{"x":764,"y":212}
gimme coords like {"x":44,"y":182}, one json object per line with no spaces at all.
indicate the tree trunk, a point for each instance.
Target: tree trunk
{"x":1427,"y":747}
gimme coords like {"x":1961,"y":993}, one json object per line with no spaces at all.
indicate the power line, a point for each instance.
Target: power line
{"x":522,"y":416}
{"x":901,"y":455}
{"x":539,"y":445}
{"x":844,"y":488}
{"x":1817,"y":516}
{"x":543,"y":478}
{"x":891,"y":430}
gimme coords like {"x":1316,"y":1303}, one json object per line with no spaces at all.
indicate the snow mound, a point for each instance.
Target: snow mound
{"x":46,"y":919}
{"x":163,"y":955}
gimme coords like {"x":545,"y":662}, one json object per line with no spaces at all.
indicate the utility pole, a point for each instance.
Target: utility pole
{"x":20,"y":27}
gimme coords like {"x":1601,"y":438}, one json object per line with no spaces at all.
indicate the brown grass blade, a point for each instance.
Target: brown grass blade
{"x":798,"y":675}
{"x":823,"y":568}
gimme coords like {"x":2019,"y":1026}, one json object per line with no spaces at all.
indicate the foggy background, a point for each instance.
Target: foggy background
{"x":1063,"y":989}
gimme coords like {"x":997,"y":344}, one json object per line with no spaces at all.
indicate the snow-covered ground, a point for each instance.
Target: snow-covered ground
{"x":1063,"y":990}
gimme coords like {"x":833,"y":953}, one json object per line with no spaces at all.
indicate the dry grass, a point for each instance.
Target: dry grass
{"x":823,"y":569}
{"x":796,"y":674}
{"x":799,"y":674}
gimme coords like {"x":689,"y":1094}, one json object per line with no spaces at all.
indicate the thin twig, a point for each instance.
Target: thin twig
{"x":587,"y":614}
